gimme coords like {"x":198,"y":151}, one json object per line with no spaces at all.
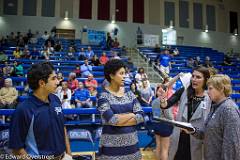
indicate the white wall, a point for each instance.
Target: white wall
{"x":127,"y":31}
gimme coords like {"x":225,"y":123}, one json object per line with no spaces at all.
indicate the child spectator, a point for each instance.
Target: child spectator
{"x":77,"y":71}
{"x":65,"y":96}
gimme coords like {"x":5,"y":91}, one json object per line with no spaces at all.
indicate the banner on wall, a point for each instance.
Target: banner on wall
{"x":150,"y":40}
{"x":95,"y":37}
{"x":169,"y":36}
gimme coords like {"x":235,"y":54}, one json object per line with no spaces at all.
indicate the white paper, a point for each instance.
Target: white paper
{"x":179,"y":124}
{"x":185,"y":79}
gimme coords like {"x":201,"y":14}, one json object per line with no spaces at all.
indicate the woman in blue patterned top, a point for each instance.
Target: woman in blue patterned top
{"x":120,"y":112}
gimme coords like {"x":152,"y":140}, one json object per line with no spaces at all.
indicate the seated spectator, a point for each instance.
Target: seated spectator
{"x":7,"y":70}
{"x":65,"y":96}
{"x":35,"y":53}
{"x":190,"y":62}
{"x":45,"y":36}
{"x":77,"y":71}
{"x":91,"y":84}
{"x":8,"y":95}
{"x":20,"y":41}
{"x":58,"y":46}
{"x":29,"y":34}
{"x":17,"y":69}
{"x":25,"y":53}
{"x":49,"y":43}
{"x":227,"y":61}
{"x":115,"y":43}
{"x":140,"y":76}
{"x":103,"y":59}
{"x":208,"y":63}
{"x":133,"y":88}
{"x":71,"y":53}
{"x":175,"y":52}
{"x":89,"y":53}
{"x":128,"y":77}
{"x":115,"y":55}
{"x":95,"y":61}
{"x":45,"y":54}
{"x":82,"y":97}
{"x":60,"y":78}
{"x":86,"y":69}
{"x":146,"y":93}
{"x":17,"y":53}
{"x":81,"y":54}
{"x":49,"y":47}
{"x":72,"y":82}
{"x":197,"y":61}
{"x":3,"y":57}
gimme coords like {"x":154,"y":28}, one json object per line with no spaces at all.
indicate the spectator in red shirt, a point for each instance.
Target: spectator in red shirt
{"x":103,"y":59}
{"x":72,"y":82}
{"x":91,"y":84}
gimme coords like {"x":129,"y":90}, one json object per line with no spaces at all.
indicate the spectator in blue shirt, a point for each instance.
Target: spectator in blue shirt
{"x":89,"y":53}
{"x":82,"y":97}
{"x":37,"y":126}
{"x":86,"y":69}
{"x":165,"y":61}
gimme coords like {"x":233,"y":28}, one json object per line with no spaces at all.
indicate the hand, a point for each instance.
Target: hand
{"x":187,"y":131}
{"x":163,"y":94}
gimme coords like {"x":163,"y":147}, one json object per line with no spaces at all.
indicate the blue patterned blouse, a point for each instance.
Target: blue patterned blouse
{"x":119,"y":143}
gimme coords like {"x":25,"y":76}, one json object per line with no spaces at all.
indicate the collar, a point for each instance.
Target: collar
{"x":216,"y":105}
{"x":38,"y":101}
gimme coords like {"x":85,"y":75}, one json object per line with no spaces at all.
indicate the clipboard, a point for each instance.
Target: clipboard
{"x":179,"y":124}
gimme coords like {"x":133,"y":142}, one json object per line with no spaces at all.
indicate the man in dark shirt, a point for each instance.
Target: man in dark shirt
{"x":37,"y":128}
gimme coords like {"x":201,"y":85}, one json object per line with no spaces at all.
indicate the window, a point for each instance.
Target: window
{"x":169,"y":11}
{"x":183,"y":14}
{"x":197,"y":16}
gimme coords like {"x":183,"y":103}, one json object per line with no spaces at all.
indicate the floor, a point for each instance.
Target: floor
{"x":148,"y":155}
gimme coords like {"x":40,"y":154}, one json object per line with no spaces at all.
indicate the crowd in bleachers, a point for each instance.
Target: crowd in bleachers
{"x":80,"y":69}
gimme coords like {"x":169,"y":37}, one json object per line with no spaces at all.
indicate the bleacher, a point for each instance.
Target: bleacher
{"x":180,"y":63}
{"x":94,"y":123}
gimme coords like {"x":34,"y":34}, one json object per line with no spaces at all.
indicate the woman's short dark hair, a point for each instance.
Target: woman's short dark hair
{"x":111,"y":67}
{"x":39,"y":71}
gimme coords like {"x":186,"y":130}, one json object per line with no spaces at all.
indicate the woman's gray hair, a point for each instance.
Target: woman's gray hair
{"x":9,"y":80}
